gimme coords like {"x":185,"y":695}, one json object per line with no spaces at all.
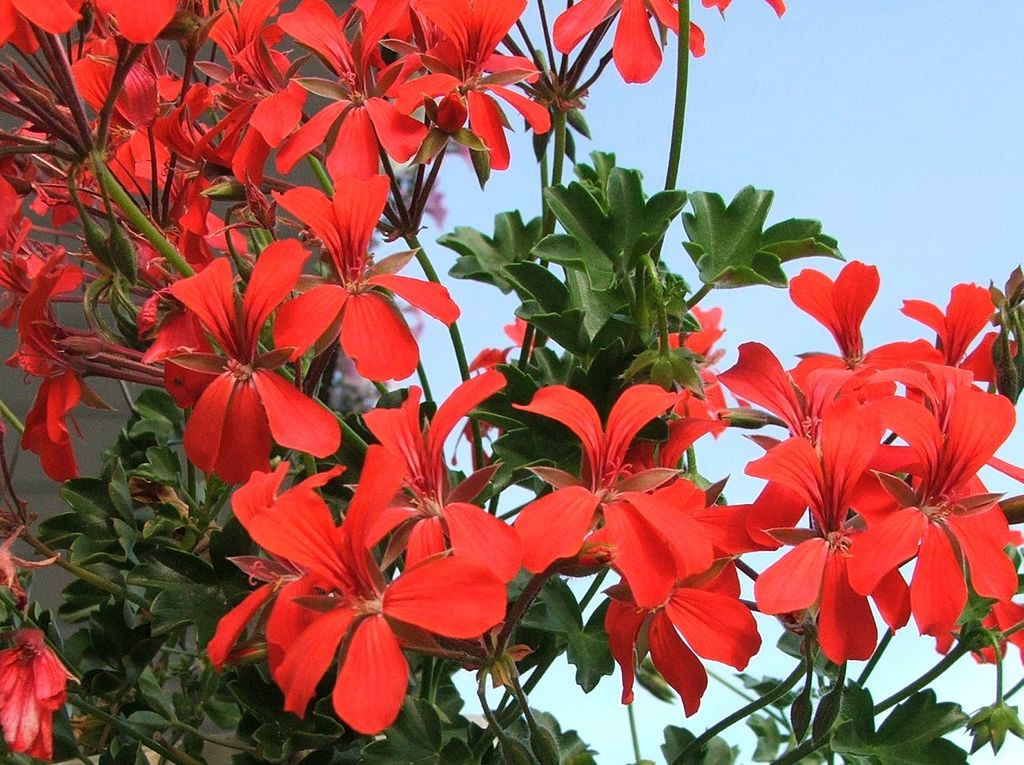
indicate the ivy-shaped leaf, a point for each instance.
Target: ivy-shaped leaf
{"x":485,"y":259}
{"x":731,"y":247}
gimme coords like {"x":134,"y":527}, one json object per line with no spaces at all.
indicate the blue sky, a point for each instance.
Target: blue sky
{"x":895,"y":124}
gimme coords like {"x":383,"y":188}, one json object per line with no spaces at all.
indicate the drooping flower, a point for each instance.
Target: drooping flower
{"x":241,"y":404}
{"x":33,"y":685}
{"x":360,"y":307}
{"x":712,"y":624}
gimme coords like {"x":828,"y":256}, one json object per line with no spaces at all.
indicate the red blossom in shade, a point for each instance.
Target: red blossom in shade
{"x":46,"y":425}
{"x":945,"y":517}
{"x":968,"y":312}
{"x":242,"y":405}
{"x":33,"y":685}
{"x":439,"y":516}
{"x":816,"y":570}
{"x":361,"y":120}
{"x":373,"y":331}
{"x":465,"y":61}
{"x":636,"y":49}
{"x":714,"y":625}
{"x":343,"y":609}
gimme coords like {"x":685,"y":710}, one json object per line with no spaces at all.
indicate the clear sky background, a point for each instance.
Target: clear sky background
{"x":898,"y":125}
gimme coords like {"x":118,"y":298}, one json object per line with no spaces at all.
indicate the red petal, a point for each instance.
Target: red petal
{"x":642,"y":554}
{"x":841,"y":305}
{"x":460,"y":403}
{"x":355,"y":151}
{"x":398,"y":133}
{"x":938,"y":592}
{"x":137,"y":22}
{"x":846,"y":627}
{"x":296,"y":421}
{"x":716,"y":627}
{"x":677,"y":663}
{"x":58,"y":16}
{"x":573,"y":410}
{"x":759,"y":377}
{"x":309,"y":136}
{"x":486,"y":121}
{"x":429,"y":297}
{"x":380,"y":481}
{"x":636,"y":50}
{"x":892,"y":596}
{"x":314,"y":209}
{"x":358,"y":205}
{"x":46,"y":431}
{"x":886,"y":545}
{"x":553,"y":526}
{"x":276,"y":116}
{"x":314,"y":25}
{"x":637,"y":406}
{"x":304,"y":320}
{"x":308,"y":658}
{"x":373,"y":678}
{"x":982,"y":539}
{"x":537,"y":116}
{"x":578,"y":21}
{"x":210,"y":295}
{"x":233,"y":623}
{"x":227,"y":433}
{"x":478,"y":536}
{"x":377,"y":339}
{"x":451,"y":597}
{"x":795,"y":465}
{"x":275,"y":274}
{"x":622,"y":622}
{"x":793,"y":583}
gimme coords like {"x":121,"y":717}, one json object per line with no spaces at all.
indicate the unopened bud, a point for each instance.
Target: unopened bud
{"x":991,"y":724}
{"x":183,"y":24}
{"x":451,"y":113}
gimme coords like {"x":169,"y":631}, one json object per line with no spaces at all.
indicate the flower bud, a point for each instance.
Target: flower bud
{"x":991,"y":724}
{"x":451,"y":113}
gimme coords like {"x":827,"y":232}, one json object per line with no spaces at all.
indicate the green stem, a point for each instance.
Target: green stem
{"x":742,"y":713}
{"x":1013,"y":690}
{"x":95,"y":580}
{"x":321,"y":175}
{"x":173,"y":755}
{"x":633,"y":733}
{"x":945,"y":663}
{"x":659,"y":305}
{"x":779,"y":717}
{"x":557,"y":168}
{"x":699,"y":295}
{"x":138,"y":219}
{"x":592,"y":590}
{"x":351,"y":436}
{"x":11,"y":417}
{"x":675,"y":149}
{"x":870,"y":666}
{"x":421,"y":374}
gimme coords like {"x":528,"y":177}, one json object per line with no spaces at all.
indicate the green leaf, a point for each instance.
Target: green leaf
{"x":588,"y":651}
{"x":730,"y":247}
{"x":769,"y":737}
{"x":485,"y":259}
{"x":413,"y":739}
{"x":910,"y":735}
{"x":555,"y":609}
{"x":715,"y":752}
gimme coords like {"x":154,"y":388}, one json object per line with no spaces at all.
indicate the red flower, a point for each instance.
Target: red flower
{"x":140,"y":22}
{"x":968,"y":312}
{"x":438,"y":516}
{"x":636,"y":49}
{"x":816,"y":570}
{"x":945,"y":518}
{"x":465,"y":61}
{"x":373,"y":332}
{"x":33,"y":686}
{"x":361,"y":120}
{"x":840,"y":306}
{"x":343,"y":606}
{"x":242,"y":403}
{"x":714,"y":625}
{"x":53,"y":16}
{"x":637,"y":526}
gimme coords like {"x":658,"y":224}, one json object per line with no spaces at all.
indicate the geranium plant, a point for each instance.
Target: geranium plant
{"x":218,"y":204}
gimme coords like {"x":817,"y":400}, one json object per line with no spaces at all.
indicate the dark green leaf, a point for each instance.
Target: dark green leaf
{"x":486,"y":259}
{"x":588,"y":651}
